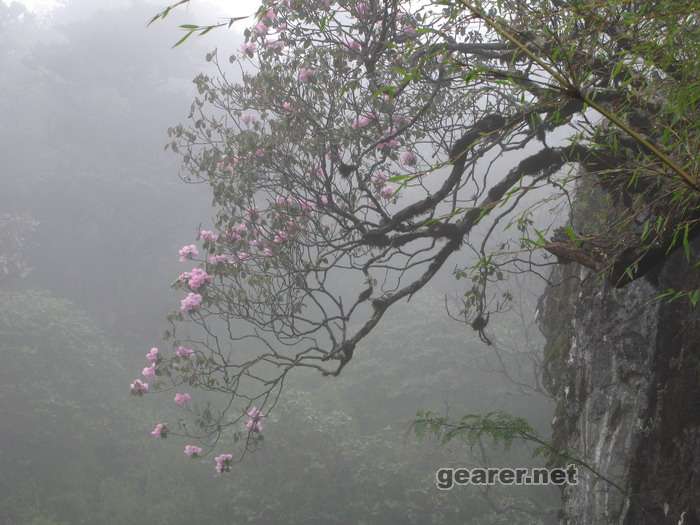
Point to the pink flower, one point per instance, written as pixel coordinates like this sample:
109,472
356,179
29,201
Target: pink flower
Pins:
182,399
388,144
217,259
149,371
188,252
409,31
307,205
223,462
208,235
275,45
324,200
139,388
387,192
408,158
261,28
379,180
270,15
306,74
198,278
255,420
183,352
287,106
267,252
160,431
260,153
362,122
352,44
249,118
152,355
192,451
191,302
361,9
280,237
248,48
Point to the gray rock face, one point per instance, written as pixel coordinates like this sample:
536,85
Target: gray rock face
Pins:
625,369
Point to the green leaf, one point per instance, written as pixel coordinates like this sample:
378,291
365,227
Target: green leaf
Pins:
189,34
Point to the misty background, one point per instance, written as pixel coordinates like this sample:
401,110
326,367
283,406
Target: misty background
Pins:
93,213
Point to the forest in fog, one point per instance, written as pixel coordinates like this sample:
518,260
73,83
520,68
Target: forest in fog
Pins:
280,262
87,96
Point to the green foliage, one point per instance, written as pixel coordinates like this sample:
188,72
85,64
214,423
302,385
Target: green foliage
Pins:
499,427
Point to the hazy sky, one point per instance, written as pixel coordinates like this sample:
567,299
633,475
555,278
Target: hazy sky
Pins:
231,7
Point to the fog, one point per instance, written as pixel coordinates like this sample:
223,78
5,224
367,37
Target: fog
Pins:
93,212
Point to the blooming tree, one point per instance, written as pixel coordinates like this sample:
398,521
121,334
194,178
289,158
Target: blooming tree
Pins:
368,143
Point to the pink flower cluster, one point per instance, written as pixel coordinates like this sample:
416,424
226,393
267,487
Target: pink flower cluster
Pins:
248,48
408,158
196,278
149,371
191,302
249,118
160,431
183,352
193,451
152,355
139,388
387,192
223,463
255,420
306,75
208,236
352,45
362,121
188,252
182,399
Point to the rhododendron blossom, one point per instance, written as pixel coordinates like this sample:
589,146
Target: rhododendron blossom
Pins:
223,463
149,371
255,420
208,235
249,118
193,451
306,74
182,399
217,259
198,278
248,48
184,352
152,355
275,45
362,121
160,431
270,15
191,302
139,388
408,158
188,252
261,29
387,192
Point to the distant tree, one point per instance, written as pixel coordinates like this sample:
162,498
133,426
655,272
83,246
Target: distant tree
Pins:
14,232
371,143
